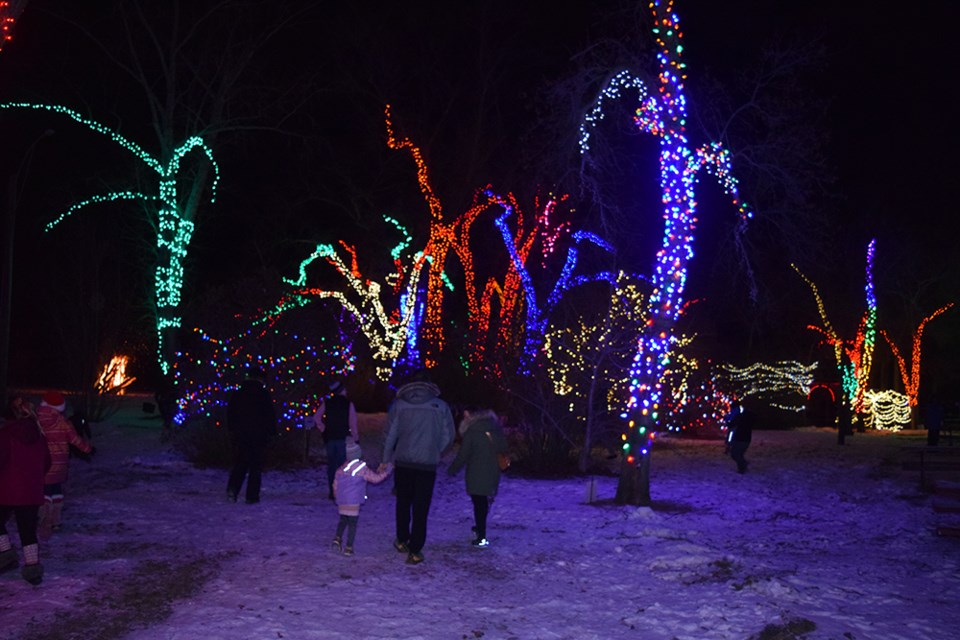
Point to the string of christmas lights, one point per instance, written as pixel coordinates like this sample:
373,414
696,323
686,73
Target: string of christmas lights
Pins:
6,23
785,384
886,410
297,369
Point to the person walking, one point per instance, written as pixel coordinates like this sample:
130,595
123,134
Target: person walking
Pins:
483,439
336,418
350,490
60,435
24,461
419,429
252,423
741,433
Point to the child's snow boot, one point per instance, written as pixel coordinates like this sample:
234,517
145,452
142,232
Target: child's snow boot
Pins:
32,570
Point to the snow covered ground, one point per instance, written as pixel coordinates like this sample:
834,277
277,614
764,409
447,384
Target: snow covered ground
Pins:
815,541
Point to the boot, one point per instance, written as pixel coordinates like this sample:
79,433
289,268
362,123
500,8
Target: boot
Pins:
32,570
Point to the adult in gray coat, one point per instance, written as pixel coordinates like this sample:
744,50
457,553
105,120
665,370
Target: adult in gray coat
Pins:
482,441
419,429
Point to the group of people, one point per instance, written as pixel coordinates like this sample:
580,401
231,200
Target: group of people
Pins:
34,463
420,429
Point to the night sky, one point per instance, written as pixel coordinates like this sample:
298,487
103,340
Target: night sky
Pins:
301,146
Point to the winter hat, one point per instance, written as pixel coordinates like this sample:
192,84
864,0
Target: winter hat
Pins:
55,399
336,386
353,450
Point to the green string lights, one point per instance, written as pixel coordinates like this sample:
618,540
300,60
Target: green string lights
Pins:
174,229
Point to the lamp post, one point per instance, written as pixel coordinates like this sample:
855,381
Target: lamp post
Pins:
15,185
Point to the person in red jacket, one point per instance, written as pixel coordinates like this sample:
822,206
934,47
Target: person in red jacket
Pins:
60,434
24,460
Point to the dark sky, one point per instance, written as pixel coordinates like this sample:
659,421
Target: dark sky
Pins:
305,153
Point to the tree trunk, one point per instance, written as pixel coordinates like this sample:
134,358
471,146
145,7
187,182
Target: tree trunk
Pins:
634,485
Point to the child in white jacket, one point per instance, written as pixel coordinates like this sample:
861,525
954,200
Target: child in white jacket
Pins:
350,491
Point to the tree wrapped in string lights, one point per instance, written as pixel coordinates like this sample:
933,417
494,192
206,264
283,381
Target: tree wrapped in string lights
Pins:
911,376
855,370
173,226
664,117
387,332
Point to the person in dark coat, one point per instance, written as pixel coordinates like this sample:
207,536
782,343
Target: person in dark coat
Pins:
741,425
252,423
24,461
419,429
336,419
482,441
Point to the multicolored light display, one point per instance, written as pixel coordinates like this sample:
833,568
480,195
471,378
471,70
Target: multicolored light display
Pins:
387,333
855,370
174,230
664,116
537,315
296,369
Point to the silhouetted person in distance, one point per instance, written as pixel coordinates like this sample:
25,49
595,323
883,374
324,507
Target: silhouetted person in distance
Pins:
252,423
844,426
741,424
933,421
336,419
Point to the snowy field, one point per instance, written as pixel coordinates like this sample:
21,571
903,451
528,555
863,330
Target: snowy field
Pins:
816,541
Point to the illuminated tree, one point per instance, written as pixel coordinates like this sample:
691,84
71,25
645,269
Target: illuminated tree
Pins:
588,359
663,117
445,236
911,376
537,314
174,227
387,332
855,369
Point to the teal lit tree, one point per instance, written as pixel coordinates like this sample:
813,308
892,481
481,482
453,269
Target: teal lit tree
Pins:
173,226
664,117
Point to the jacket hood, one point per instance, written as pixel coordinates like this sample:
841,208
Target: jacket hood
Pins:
476,418
418,392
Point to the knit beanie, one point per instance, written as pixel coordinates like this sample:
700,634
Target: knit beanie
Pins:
353,451
56,400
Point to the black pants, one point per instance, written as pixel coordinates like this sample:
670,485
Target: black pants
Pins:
336,456
414,495
26,517
248,460
481,507
737,451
